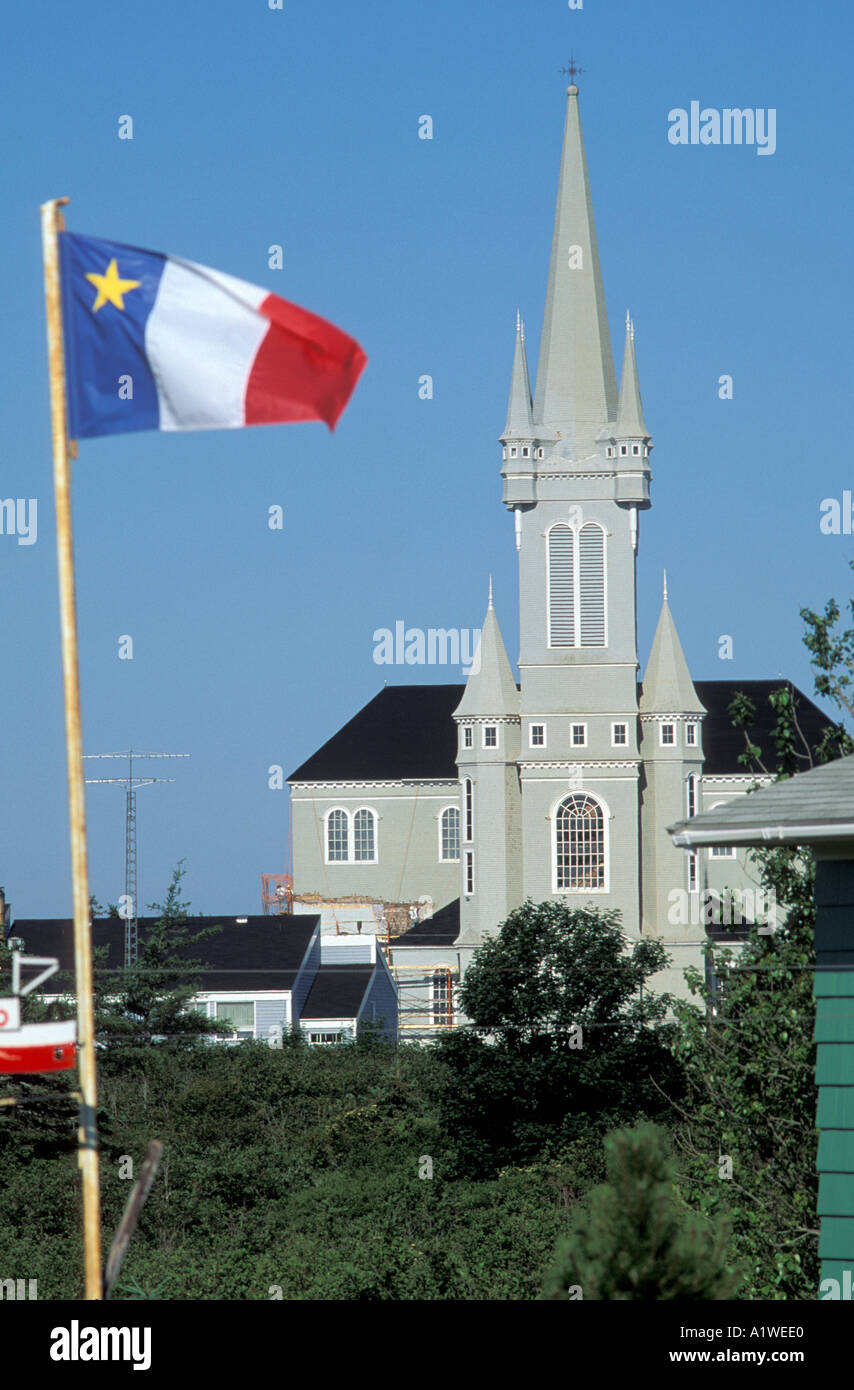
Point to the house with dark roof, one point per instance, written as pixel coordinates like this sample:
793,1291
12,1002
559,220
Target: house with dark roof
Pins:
265,975
561,784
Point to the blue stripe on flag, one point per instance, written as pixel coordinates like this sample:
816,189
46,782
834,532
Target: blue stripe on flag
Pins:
106,346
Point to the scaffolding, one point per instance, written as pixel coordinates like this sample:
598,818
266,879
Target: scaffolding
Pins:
277,894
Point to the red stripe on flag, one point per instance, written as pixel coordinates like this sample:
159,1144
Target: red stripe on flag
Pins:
45,1057
304,369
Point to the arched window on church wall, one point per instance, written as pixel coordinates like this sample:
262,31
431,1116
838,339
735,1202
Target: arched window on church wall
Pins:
364,836
337,837
580,845
449,835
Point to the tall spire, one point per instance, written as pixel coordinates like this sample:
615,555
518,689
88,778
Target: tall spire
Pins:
667,684
576,391
520,423
630,421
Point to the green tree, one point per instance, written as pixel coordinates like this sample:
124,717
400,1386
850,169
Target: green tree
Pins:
634,1238
565,1036
749,1053
152,999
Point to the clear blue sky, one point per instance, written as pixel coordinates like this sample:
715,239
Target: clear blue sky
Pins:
299,127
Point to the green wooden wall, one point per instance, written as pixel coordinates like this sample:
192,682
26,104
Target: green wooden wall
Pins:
834,1035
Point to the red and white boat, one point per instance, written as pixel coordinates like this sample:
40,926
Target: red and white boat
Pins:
38,1047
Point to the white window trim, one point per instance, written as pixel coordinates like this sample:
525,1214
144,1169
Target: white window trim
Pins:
688,743
468,800
467,737
545,742
468,862
497,743
606,831
451,806
693,860
224,1003
667,724
572,728
576,583
351,836
446,974
619,724
715,851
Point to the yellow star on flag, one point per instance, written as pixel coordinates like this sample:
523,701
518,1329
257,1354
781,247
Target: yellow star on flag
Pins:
110,288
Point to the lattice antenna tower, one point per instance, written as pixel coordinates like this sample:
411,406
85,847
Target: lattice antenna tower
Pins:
131,784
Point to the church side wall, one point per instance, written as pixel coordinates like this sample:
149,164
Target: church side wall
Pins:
407,842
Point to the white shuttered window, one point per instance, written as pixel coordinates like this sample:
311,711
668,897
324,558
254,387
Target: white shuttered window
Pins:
591,573
576,566
562,587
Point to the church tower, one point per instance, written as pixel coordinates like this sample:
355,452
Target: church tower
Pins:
487,721
671,718
575,464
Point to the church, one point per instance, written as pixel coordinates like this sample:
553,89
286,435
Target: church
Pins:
468,800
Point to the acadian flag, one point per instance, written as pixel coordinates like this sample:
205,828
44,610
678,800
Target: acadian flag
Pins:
157,343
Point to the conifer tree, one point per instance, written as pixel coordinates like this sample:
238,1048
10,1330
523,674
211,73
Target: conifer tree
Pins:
633,1237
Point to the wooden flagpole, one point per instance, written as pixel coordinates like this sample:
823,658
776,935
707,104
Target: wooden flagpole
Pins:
87,1135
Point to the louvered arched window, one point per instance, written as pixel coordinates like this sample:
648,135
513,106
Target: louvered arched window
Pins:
591,584
580,844
576,586
562,586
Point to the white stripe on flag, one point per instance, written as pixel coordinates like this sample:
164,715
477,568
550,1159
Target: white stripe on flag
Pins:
201,338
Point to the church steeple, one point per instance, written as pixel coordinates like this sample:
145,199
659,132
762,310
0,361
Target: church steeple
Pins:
667,684
520,423
630,421
491,687
576,393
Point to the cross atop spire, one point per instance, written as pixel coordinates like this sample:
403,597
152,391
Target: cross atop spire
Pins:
572,71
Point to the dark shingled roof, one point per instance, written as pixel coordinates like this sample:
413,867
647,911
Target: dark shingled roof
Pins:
409,731
722,743
442,929
261,953
337,991
405,731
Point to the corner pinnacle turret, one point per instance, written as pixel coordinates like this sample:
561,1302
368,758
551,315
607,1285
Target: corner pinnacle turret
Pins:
520,424
630,421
